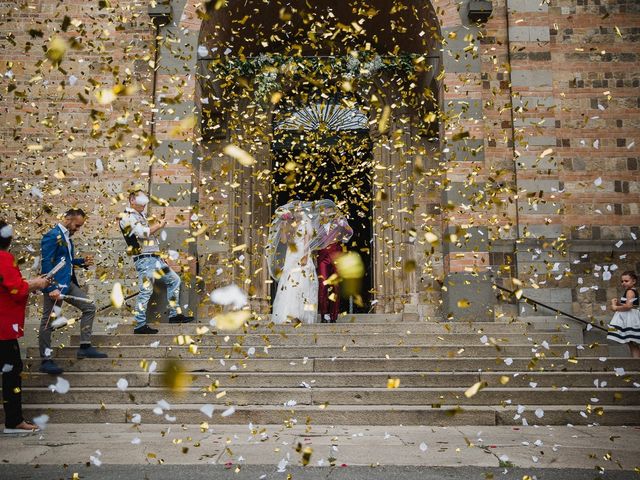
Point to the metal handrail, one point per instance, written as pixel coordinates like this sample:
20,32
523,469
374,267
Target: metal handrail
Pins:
553,309
110,305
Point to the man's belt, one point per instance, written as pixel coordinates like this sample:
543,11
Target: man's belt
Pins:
144,255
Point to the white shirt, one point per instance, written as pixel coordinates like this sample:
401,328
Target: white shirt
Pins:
67,238
137,224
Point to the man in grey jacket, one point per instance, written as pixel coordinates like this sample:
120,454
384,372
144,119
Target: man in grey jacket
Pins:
142,244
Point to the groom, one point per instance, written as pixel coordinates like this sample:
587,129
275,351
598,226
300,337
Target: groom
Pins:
336,232
57,245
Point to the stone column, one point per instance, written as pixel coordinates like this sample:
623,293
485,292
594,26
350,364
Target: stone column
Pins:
171,174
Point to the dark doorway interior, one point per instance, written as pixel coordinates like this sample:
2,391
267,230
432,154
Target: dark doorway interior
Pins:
312,166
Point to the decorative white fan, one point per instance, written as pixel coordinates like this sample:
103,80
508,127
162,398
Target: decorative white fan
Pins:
326,116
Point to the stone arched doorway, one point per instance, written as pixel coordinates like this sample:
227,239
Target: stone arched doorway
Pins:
296,56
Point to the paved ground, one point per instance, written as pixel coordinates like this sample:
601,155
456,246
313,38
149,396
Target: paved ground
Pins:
268,472
201,451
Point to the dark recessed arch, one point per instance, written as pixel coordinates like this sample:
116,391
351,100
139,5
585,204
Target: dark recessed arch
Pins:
321,27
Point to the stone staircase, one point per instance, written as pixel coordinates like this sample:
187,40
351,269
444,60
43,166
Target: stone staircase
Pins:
533,372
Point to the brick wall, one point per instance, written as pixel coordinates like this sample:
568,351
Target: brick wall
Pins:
554,84
59,146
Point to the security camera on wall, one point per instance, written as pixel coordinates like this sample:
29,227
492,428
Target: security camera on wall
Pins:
480,11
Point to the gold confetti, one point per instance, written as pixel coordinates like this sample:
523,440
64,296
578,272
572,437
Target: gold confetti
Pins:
117,295
105,96
464,303
393,382
231,320
383,125
548,151
306,455
185,126
174,376
243,157
57,48
431,237
350,266
474,389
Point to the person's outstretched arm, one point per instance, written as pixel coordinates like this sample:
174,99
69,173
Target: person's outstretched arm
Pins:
616,306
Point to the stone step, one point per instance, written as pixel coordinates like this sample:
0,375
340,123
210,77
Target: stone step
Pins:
354,379
342,319
290,397
341,365
391,415
324,339
336,328
551,321
478,351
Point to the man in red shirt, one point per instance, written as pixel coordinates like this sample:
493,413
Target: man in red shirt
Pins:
14,291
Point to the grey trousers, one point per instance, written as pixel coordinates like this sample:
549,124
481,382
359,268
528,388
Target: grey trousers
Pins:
86,320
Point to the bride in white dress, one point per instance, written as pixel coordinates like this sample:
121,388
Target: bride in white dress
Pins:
297,293
298,229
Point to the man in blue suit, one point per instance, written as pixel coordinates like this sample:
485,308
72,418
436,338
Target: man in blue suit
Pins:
57,245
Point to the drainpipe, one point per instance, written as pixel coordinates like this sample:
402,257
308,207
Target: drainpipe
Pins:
515,266
160,14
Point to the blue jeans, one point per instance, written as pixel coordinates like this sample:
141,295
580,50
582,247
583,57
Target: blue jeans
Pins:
149,269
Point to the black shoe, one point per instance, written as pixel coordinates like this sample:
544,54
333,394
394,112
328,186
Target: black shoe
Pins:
180,318
50,367
90,352
145,330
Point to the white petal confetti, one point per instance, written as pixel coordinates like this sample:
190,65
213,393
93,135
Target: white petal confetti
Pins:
229,295
203,51
207,409
228,412
62,386
122,384
282,465
6,231
41,421
95,459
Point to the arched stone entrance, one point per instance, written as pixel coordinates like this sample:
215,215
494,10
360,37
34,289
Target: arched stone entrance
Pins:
393,109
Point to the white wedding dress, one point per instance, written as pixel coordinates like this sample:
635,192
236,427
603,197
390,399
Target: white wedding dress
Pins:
297,293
